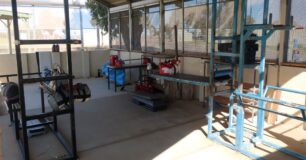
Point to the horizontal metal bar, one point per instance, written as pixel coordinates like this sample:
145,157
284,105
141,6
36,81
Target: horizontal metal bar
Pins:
224,38
285,89
267,27
15,75
223,93
40,124
275,112
51,41
42,79
225,54
282,149
48,114
284,103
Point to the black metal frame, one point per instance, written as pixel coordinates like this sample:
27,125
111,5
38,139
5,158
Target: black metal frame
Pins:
23,140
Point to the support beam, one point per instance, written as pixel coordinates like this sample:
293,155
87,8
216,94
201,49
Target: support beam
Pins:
105,3
9,35
109,29
162,26
130,26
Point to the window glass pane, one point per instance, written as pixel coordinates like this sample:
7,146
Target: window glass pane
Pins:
173,17
153,28
195,25
138,30
297,41
90,35
255,16
124,29
115,33
225,14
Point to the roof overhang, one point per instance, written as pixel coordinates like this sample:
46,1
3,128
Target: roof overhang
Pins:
8,15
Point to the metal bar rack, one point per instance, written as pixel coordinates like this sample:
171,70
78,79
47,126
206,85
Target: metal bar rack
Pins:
267,28
22,126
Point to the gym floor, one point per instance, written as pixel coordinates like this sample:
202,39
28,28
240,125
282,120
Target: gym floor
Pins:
110,126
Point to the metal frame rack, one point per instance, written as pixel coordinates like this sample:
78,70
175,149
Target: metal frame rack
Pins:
23,138
238,128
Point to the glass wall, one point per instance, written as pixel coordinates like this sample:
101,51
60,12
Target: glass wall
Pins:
139,26
196,22
120,30
152,29
297,40
255,16
173,17
48,22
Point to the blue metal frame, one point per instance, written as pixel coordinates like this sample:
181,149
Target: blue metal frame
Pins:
246,30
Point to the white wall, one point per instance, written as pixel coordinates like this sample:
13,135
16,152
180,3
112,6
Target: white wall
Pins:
8,65
85,63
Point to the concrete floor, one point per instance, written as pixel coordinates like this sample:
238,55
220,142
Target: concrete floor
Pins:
111,127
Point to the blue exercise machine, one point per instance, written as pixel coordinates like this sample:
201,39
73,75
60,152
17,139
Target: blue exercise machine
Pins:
236,103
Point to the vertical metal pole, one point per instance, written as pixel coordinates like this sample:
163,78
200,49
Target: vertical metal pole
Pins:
109,29
71,101
42,97
234,46
261,113
240,116
239,127
120,36
145,12
9,35
98,38
242,46
130,27
20,82
81,27
211,67
130,35
176,42
183,27
287,33
162,25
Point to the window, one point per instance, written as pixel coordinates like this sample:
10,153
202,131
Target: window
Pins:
90,31
120,30
48,22
152,29
255,16
173,17
297,40
139,29
195,26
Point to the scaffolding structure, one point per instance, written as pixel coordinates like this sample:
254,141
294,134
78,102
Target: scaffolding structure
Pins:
22,125
239,128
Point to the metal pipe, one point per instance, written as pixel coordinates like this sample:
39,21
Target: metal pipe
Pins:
71,101
25,143
81,27
162,25
9,35
261,113
211,67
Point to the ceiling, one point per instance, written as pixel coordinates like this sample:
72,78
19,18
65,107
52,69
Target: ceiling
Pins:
114,3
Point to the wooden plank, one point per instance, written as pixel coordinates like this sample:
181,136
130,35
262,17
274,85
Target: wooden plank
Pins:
271,117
